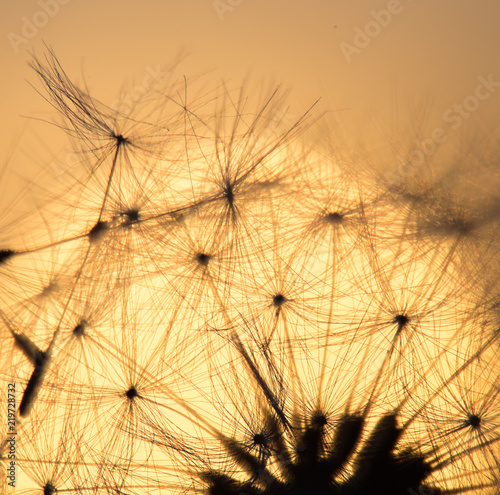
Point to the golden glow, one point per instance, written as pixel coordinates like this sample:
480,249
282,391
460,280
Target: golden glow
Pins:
358,271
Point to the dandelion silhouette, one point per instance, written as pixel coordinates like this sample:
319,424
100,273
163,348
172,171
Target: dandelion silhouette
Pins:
211,306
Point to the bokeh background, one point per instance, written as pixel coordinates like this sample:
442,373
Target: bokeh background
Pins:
379,67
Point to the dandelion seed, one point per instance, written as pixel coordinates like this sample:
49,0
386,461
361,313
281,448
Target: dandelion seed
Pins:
473,420
229,194
49,489
98,230
334,218
120,140
30,350
6,254
131,393
132,216
203,259
79,329
278,300
401,320
34,383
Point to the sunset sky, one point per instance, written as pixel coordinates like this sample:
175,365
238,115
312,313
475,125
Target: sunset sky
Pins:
388,78
372,63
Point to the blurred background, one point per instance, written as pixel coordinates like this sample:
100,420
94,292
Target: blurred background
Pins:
379,68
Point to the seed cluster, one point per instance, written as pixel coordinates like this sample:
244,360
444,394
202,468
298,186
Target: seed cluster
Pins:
205,304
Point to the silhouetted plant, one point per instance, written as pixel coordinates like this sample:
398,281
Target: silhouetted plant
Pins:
211,307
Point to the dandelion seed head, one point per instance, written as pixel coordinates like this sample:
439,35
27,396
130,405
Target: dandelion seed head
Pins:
293,327
279,300
79,330
319,419
334,218
203,259
229,193
49,489
50,289
131,393
259,439
402,320
473,420
454,225
132,216
120,139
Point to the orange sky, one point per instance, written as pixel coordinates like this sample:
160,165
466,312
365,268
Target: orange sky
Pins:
369,61
379,67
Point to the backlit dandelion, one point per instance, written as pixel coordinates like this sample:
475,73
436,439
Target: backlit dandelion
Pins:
208,305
